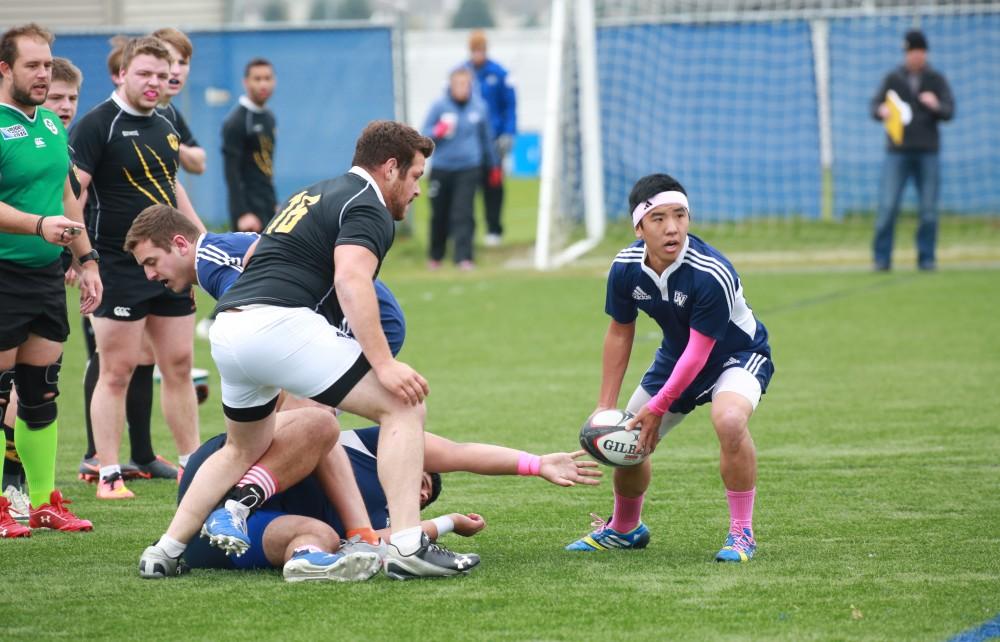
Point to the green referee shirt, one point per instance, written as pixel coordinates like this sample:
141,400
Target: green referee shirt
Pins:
34,164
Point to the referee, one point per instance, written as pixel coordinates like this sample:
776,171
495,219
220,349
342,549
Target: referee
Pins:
35,193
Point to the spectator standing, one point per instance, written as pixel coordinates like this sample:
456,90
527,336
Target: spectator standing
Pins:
497,91
459,124
911,100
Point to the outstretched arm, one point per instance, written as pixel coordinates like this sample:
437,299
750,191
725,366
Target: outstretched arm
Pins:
562,469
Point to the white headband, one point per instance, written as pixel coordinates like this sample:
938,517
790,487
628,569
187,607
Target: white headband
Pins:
663,198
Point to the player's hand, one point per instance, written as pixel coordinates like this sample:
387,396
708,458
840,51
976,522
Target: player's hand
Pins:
71,278
929,100
562,469
649,424
468,525
883,111
91,288
404,382
60,230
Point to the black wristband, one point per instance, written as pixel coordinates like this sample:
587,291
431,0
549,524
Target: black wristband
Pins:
38,227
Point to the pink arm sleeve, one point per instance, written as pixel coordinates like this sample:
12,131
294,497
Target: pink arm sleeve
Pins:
688,366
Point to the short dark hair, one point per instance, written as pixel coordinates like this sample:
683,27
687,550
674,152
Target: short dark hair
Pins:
256,62
146,45
8,42
159,224
385,139
65,71
649,186
435,489
115,55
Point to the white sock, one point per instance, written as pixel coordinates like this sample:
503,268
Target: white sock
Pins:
107,471
407,541
170,546
183,459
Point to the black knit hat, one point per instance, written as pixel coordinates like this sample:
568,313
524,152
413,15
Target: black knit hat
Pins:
915,39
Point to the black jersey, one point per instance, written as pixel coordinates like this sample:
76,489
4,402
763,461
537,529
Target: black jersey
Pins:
177,120
132,160
293,266
248,154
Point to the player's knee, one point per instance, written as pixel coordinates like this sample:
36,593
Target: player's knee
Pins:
731,427
321,428
37,389
176,368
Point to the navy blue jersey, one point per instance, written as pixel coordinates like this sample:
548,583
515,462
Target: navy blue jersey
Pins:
220,259
699,290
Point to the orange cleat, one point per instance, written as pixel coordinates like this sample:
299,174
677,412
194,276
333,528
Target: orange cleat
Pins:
113,487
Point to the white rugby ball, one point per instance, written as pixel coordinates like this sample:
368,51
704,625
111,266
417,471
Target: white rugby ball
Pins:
605,439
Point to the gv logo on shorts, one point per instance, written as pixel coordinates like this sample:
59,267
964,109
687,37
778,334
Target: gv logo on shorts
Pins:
122,311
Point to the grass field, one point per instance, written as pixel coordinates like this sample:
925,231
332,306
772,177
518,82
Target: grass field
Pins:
878,506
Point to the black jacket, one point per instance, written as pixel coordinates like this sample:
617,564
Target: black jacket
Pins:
921,135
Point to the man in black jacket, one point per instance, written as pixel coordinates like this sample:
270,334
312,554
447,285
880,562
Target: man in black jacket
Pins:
910,101
248,151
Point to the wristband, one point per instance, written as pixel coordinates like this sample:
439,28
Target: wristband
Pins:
444,525
38,226
528,464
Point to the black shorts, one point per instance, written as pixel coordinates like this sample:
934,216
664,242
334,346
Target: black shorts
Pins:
32,301
130,296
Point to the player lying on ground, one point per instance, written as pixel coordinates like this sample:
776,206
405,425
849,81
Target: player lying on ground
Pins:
713,350
174,252
298,528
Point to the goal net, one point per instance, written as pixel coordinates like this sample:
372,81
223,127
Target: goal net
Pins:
759,107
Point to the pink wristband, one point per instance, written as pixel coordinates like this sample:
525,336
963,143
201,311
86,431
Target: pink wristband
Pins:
528,464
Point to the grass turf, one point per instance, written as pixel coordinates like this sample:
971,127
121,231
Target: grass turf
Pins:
877,509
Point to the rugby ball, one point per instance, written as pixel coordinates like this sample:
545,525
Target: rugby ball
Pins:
605,439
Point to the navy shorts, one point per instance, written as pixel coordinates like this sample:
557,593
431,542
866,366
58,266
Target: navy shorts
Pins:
758,364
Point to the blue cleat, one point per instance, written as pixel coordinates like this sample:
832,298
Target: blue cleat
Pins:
226,528
604,537
339,567
739,547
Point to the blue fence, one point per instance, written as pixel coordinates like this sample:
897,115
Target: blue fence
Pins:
731,110
331,82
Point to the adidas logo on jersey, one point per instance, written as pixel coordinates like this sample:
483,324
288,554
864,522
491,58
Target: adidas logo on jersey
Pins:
731,361
639,295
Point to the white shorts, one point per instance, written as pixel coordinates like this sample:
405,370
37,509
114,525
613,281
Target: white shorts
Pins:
263,349
735,380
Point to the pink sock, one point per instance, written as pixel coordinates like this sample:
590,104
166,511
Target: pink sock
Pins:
741,509
628,510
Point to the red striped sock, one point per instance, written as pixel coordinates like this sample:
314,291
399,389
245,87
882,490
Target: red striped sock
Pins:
262,478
